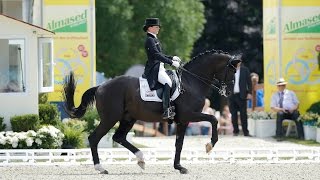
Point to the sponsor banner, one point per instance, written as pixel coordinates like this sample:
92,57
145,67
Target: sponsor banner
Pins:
300,47
270,48
74,43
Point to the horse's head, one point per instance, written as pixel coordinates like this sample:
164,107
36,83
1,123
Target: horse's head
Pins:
215,68
224,73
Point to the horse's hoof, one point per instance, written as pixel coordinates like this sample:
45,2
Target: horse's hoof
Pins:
208,147
142,164
104,172
184,171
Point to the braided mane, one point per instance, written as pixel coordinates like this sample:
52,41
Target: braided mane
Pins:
197,57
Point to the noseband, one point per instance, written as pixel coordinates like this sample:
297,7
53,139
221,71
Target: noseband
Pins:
221,86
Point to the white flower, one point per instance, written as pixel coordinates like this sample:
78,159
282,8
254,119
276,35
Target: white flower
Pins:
15,144
3,141
31,133
38,141
29,141
14,140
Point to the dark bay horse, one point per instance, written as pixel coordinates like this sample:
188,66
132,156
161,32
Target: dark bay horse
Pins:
118,100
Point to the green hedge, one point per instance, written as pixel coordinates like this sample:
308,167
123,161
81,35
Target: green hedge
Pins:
2,125
25,122
49,114
315,108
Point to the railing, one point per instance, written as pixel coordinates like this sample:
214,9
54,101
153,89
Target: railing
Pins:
159,156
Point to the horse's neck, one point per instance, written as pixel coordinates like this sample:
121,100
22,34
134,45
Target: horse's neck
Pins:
202,72
198,79
203,68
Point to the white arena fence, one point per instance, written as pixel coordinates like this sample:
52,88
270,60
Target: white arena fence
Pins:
158,156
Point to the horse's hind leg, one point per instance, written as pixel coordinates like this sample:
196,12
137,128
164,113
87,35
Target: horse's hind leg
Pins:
120,137
94,139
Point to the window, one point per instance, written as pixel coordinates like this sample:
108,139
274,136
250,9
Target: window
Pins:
19,9
12,65
46,64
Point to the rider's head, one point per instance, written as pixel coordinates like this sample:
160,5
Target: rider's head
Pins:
151,25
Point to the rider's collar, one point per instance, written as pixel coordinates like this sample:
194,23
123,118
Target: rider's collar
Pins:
154,35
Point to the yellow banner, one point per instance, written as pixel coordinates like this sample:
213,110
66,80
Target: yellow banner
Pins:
67,2
74,43
296,60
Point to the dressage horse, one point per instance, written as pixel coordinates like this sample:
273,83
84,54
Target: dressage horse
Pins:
118,100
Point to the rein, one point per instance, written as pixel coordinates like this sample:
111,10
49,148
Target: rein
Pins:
221,90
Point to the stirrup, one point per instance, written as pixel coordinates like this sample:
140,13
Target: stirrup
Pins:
169,113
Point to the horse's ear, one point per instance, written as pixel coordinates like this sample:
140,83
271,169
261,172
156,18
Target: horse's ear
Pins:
236,59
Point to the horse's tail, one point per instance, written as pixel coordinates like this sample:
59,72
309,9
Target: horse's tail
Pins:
88,98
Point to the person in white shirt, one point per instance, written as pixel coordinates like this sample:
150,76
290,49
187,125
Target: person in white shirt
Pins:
238,100
285,103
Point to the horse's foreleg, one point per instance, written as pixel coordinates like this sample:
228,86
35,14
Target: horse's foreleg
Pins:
197,117
181,129
120,137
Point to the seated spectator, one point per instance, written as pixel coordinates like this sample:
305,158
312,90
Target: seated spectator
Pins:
259,92
193,129
225,122
285,103
205,126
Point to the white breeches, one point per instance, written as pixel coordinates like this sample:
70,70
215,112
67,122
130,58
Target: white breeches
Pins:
163,77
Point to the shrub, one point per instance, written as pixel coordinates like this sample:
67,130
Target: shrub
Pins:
260,115
92,118
315,108
25,122
309,118
73,131
43,98
2,125
47,137
49,114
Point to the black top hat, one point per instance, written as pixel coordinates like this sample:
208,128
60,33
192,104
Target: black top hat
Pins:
150,22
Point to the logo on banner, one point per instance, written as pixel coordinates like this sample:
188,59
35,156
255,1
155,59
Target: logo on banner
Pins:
75,23
308,25
271,26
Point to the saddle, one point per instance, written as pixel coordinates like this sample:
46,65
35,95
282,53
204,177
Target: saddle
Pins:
156,95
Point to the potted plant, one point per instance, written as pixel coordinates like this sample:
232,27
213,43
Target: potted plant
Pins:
263,124
309,121
318,129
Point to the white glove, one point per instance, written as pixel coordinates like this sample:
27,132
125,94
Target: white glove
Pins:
176,64
176,58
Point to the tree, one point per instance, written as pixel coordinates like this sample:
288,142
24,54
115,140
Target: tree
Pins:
113,19
234,26
120,38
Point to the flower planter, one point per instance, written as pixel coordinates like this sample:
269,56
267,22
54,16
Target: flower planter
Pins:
252,126
318,135
310,132
265,128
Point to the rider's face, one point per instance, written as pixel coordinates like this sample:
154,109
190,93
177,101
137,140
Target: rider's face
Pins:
154,29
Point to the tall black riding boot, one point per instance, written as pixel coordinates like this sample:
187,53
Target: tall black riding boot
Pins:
168,112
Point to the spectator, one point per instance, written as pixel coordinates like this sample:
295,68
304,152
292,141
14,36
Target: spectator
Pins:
193,129
225,124
285,103
259,92
238,100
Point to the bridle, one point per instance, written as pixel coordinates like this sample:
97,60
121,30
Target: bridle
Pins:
221,86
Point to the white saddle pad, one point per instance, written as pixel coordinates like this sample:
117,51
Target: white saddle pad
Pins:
148,95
